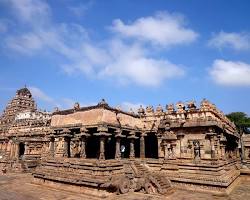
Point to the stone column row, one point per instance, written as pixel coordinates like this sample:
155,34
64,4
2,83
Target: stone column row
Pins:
64,142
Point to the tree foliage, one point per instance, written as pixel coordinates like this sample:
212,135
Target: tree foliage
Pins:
241,120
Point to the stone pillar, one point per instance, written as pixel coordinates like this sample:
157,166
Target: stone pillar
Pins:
180,136
52,146
142,146
132,149
5,146
11,149
61,147
9,146
83,147
66,147
218,149
223,153
173,147
17,150
102,148
165,151
118,148
26,148
160,153
212,147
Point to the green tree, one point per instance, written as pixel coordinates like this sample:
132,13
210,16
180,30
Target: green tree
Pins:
241,120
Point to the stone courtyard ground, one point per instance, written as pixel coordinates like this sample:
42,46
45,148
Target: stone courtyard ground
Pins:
19,187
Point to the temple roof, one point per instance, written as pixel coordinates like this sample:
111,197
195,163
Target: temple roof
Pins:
94,115
24,92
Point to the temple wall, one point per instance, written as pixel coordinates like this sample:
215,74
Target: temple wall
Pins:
95,116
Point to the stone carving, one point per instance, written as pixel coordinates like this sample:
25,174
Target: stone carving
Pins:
191,105
149,109
170,108
76,106
180,107
196,144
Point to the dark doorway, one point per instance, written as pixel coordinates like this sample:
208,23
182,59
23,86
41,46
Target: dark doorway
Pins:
110,148
21,149
151,146
125,143
93,147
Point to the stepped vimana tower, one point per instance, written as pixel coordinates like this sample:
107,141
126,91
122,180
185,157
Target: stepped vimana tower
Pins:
21,102
99,149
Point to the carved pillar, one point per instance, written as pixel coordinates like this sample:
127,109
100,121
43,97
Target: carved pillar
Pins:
26,148
102,133
165,151
180,136
132,138
83,137
5,146
83,147
9,147
16,150
160,153
118,148
132,149
211,135
222,142
52,146
223,153
212,147
102,149
173,148
142,146
11,150
66,147
63,144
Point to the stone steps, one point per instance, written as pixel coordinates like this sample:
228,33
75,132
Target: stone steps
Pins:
162,183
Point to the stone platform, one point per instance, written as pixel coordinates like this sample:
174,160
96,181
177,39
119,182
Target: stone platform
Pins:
19,186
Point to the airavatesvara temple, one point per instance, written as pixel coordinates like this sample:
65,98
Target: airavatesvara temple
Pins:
100,150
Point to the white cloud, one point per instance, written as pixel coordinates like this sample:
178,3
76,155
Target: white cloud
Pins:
34,12
127,106
135,66
114,59
26,43
39,94
236,41
230,73
81,9
163,29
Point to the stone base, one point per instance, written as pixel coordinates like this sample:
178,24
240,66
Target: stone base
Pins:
217,177
71,187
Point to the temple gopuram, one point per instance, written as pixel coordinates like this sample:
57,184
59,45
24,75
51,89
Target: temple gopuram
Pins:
101,150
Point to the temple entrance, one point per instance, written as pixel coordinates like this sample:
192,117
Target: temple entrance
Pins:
21,149
125,148
93,147
151,146
110,148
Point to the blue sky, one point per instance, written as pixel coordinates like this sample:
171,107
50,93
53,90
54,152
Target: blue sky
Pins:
128,52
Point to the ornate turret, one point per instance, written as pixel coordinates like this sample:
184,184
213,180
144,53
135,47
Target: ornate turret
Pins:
141,111
21,102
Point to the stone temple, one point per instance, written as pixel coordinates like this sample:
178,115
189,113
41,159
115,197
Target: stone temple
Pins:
101,150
